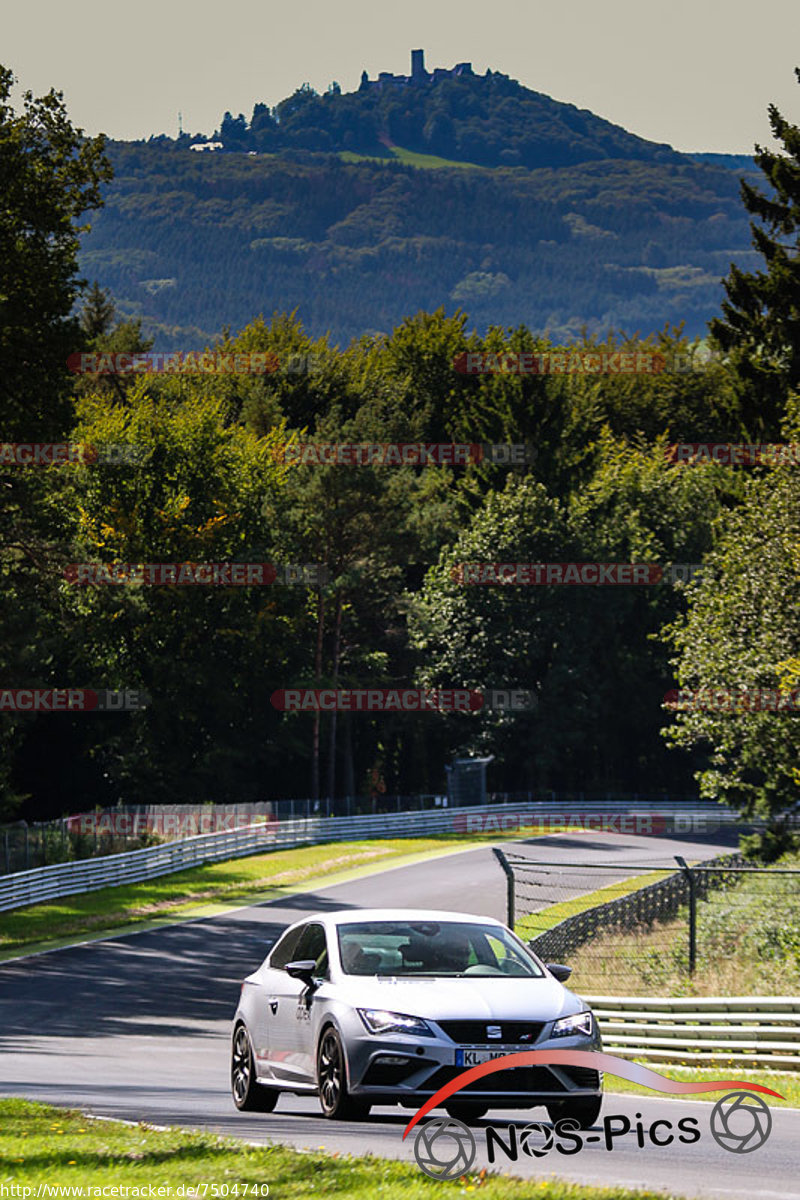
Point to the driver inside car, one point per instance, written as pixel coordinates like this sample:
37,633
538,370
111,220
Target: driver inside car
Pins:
454,954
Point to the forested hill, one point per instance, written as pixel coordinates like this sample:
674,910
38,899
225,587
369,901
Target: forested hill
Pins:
489,120
358,209
191,242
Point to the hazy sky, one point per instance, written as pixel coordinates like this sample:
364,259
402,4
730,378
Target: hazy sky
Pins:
698,74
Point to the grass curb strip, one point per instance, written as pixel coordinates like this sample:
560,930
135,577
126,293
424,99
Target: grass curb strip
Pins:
62,1148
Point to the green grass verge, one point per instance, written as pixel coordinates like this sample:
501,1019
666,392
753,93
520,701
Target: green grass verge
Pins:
546,918
350,156
40,1144
195,892
411,158
785,1082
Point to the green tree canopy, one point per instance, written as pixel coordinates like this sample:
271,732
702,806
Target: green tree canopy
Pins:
760,326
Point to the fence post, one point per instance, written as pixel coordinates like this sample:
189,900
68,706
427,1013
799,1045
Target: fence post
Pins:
692,912
504,863
8,855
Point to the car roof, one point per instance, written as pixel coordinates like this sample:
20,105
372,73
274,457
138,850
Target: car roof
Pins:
348,916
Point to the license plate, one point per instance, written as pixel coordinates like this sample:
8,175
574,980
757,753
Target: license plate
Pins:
473,1058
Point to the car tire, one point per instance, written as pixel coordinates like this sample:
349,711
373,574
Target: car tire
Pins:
463,1111
335,1101
248,1095
585,1111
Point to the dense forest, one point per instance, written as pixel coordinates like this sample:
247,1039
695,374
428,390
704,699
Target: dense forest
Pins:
210,482
190,242
355,209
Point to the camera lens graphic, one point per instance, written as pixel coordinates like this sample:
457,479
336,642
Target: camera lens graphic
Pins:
536,1139
740,1122
444,1148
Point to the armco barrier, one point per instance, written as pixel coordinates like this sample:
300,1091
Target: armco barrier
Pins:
68,879
743,1031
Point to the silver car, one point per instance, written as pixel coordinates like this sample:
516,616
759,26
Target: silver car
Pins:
384,1006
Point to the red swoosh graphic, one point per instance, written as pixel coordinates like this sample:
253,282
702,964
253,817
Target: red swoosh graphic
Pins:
608,1063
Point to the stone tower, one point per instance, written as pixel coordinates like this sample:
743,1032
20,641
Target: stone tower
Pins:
417,64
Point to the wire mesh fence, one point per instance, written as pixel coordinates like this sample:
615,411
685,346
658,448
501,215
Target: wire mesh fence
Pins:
24,846
96,834
102,832
723,927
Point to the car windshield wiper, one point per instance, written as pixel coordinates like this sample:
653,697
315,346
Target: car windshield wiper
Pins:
409,975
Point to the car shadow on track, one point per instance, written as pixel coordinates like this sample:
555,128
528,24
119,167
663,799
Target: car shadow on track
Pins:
173,980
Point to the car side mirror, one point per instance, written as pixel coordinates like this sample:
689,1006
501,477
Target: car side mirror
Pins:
303,969
559,971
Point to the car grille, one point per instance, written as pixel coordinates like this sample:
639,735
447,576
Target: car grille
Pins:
518,1079
512,1033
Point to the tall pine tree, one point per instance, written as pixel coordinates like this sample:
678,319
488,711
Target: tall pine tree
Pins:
761,324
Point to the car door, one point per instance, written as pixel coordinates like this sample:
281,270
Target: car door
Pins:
291,1048
264,1010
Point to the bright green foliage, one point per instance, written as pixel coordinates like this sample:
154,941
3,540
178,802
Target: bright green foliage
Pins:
49,177
207,656
584,651
741,630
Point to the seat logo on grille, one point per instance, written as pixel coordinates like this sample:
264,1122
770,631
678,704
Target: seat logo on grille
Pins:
494,1031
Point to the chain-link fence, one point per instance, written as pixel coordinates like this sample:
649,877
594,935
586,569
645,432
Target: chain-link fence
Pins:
126,827
24,846
723,927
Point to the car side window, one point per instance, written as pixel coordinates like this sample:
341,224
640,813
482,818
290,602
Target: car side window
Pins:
313,945
284,952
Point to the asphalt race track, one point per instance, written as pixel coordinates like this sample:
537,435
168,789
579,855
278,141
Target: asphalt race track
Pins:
139,1028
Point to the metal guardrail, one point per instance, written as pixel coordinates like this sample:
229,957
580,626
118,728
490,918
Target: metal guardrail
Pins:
68,879
744,1031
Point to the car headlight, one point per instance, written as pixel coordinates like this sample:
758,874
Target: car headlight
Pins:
378,1020
567,1026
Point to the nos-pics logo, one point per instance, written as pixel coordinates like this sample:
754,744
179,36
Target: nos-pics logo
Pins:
445,1148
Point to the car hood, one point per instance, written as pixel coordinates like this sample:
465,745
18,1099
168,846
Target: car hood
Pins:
468,999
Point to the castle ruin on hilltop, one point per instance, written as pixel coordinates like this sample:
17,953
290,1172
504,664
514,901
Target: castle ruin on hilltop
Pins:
418,74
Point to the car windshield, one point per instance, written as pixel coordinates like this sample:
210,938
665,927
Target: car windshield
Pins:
432,948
